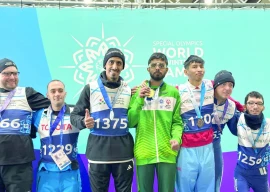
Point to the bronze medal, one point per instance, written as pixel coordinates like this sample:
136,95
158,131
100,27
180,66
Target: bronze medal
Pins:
151,94
200,123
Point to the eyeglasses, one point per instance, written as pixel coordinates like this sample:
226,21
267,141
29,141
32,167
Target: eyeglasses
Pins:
160,65
251,103
8,74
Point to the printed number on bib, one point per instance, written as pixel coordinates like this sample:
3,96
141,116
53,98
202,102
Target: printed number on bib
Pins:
107,123
51,148
249,160
206,119
15,123
216,134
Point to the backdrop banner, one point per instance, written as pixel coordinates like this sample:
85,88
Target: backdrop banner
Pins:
69,45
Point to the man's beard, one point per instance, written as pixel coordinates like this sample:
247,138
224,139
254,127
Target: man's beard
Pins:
157,78
114,79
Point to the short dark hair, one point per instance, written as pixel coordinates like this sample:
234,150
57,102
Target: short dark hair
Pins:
254,94
193,59
158,55
54,81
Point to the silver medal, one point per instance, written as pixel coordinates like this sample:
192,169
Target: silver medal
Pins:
111,115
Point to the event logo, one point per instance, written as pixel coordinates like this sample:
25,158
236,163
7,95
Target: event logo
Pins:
89,57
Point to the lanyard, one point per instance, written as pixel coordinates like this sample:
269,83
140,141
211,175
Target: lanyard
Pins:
195,105
7,101
216,117
106,97
53,125
250,138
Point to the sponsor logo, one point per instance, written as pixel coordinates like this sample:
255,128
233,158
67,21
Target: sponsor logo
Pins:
129,167
66,127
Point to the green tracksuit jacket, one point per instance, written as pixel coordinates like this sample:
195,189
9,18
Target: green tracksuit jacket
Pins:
157,122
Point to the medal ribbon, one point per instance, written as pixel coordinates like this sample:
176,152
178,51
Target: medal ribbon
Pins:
53,125
194,103
216,117
250,138
106,97
7,101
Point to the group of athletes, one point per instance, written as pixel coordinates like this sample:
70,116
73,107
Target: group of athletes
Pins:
178,131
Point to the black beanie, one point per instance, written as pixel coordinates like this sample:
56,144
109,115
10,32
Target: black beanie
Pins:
4,63
113,52
222,77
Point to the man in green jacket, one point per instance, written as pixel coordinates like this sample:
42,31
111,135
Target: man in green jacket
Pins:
154,110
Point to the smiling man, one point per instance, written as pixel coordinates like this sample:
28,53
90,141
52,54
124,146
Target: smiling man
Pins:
224,114
16,147
58,139
102,108
253,131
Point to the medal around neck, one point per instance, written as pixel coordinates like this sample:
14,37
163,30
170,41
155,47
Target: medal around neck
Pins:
152,93
200,123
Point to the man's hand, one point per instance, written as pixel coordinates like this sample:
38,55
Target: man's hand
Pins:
144,83
88,121
174,145
144,92
134,89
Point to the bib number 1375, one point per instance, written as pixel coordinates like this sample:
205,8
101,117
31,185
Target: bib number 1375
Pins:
107,123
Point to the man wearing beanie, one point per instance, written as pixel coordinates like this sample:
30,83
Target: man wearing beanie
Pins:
253,131
17,105
224,113
102,108
154,110
195,163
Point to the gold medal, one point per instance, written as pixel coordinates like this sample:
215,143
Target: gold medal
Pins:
200,123
151,94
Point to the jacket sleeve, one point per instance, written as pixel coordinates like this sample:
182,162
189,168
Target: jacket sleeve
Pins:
177,123
37,102
35,99
134,109
78,113
232,123
36,118
238,105
37,115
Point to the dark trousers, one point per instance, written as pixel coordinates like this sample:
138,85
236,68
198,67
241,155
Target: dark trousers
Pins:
16,178
256,179
100,176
